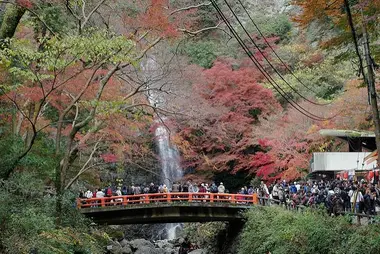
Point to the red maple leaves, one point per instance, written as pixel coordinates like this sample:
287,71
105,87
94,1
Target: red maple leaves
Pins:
25,3
109,158
225,141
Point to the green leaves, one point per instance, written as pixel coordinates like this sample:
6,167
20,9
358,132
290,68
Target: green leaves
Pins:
202,53
275,230
94,47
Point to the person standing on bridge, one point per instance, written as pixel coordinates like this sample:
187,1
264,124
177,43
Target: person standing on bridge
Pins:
118,193
195,188
213,188
190,187
88,194
152,188
184,187
100,194
221,188
175,187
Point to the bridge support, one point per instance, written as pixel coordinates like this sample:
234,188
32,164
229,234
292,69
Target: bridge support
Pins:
165,213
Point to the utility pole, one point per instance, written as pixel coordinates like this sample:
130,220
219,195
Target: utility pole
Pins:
370,77
372,88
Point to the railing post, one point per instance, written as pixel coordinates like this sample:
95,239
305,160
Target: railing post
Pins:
147,199
211,197
125,200
79,203
190,198
233,198
168,197
102,202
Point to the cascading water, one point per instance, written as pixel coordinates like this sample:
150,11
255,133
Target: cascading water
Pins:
171,170
169,156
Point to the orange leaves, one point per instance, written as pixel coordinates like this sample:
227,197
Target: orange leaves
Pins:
352,107
318,10
331,15
157,18
153,16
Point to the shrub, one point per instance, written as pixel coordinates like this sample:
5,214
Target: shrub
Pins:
202,53
275,230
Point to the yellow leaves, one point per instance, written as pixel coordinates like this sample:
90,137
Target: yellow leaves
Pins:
314,128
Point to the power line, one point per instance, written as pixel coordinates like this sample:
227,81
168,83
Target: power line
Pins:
257,64
274,51
267,60
278,88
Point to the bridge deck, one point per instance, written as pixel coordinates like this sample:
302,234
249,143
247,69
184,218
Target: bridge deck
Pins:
166,208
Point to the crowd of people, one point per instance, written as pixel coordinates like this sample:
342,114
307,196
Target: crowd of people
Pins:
336,196
153,188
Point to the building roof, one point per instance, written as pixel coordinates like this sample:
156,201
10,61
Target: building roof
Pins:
347,133
339,161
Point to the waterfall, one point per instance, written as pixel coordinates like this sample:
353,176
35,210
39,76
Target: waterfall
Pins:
171,170
169,156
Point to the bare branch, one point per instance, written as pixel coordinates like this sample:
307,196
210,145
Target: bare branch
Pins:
143,53
102,85
155,109
71,10
190,7
86,19
193,33
84,167
143,168
83,9
76,114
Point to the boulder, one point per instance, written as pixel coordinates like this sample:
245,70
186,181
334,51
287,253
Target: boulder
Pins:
149,250
124,243
114,249
126,250
163,244
198,251
170,250
139,243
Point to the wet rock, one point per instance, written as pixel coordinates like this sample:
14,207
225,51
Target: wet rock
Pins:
198,251
164,244
126,250
149,250
124,243
139,243
115,249
170,250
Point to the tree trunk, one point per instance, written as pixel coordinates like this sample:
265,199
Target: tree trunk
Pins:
2,11
370,77
59,200
60,175
11,19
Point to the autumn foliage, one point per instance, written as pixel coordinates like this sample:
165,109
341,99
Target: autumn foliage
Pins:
225,141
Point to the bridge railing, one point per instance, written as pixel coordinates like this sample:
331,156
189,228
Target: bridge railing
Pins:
167,198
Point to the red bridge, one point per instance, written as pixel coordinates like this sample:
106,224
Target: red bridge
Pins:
166,208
